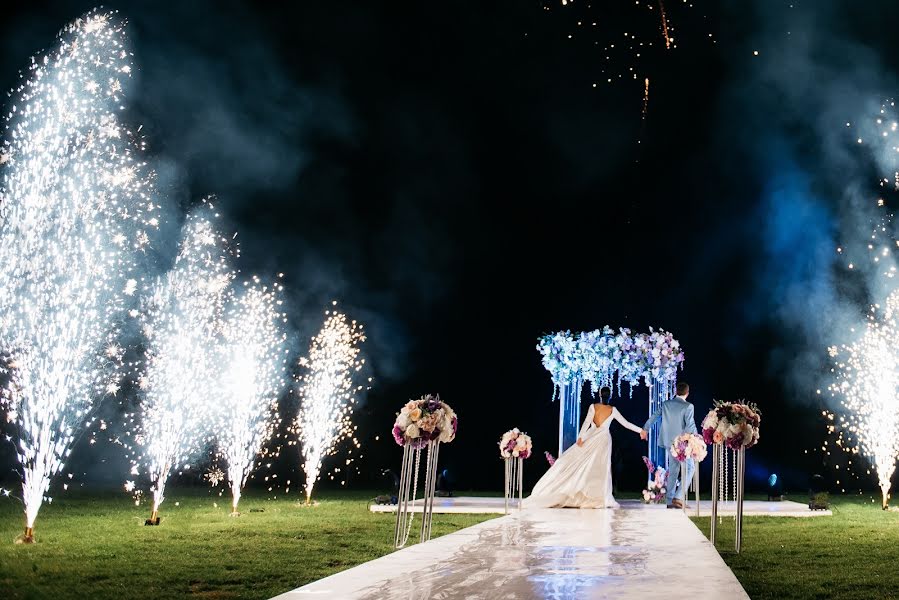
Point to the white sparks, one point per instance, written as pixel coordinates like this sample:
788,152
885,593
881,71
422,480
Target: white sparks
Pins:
868,385
181,321
63,214
254,363
327,395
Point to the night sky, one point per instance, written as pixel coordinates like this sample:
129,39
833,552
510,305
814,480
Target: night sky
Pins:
450,173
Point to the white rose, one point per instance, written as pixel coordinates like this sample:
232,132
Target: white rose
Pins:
412,431
403,420
515,453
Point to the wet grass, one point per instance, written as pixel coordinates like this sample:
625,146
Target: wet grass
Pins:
98,547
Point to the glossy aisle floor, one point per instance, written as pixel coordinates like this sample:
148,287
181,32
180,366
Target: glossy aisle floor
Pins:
553,553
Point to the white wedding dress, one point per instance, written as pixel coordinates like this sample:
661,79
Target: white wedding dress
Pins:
582,476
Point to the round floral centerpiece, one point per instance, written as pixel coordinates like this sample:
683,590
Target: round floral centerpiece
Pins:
688,445
515,444
733,424
425,420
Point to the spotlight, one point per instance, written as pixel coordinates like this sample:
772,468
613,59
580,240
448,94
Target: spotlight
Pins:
393,480
775,489
444,484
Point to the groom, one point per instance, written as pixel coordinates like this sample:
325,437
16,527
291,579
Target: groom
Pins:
677,418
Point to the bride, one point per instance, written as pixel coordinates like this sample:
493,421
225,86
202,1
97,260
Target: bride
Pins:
582,476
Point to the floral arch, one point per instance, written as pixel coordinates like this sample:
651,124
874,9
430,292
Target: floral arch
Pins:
606,358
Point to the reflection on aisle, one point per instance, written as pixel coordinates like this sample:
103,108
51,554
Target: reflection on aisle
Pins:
550,553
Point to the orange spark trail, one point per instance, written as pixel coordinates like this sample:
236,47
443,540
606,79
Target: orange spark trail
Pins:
645,97
664,25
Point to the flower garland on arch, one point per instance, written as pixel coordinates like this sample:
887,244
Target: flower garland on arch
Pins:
606,358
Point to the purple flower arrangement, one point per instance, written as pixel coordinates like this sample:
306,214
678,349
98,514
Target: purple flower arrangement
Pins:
733,424
425,420
658,478
515,444
689,445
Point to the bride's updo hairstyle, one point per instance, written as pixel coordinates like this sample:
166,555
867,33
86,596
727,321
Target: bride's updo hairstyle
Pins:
605,394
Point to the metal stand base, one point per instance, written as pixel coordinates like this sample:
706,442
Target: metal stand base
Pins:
514,481
717,467
405,507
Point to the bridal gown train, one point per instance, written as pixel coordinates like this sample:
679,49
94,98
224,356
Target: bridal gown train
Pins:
582,476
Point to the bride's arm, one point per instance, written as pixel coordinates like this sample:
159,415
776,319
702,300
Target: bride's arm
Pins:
588,423
617,416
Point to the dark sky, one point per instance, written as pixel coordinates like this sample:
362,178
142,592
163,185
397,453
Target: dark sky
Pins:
450,174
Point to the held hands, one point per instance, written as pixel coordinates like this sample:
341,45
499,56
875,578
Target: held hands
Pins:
643,434
580,442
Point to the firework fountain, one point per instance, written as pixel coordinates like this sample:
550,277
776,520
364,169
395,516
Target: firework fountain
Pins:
327,393
254,342
181,321
867,371
868,383
76,210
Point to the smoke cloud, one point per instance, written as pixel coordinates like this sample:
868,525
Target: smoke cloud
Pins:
784,129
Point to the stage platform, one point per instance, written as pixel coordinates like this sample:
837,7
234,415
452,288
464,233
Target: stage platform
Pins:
494,505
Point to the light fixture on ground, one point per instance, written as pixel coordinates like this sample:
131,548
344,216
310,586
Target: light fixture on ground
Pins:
775,488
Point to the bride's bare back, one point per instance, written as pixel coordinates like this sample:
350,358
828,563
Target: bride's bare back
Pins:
601,412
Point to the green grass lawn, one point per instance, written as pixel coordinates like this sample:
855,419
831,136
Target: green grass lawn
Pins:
96,547
853,555
93,547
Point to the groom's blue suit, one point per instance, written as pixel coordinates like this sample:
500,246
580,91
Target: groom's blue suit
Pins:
677,418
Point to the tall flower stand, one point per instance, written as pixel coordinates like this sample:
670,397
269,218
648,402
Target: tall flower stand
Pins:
733,426
514,481
718,474
405,508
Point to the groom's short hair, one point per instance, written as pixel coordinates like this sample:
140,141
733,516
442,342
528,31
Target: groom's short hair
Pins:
683,388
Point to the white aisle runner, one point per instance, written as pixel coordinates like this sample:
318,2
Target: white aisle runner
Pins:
549,553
